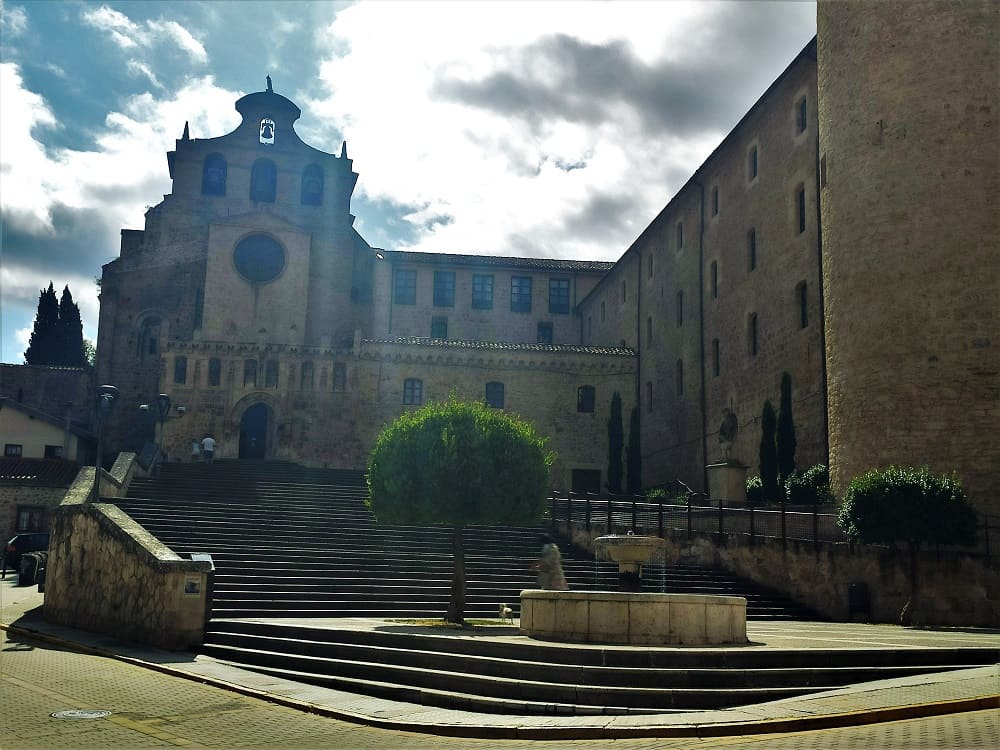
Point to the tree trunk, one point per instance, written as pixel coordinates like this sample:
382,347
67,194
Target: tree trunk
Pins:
456,607
909,614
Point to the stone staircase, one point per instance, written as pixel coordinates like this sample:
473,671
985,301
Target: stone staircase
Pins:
293,545
289,541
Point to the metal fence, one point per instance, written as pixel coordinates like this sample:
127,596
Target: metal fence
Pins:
636,514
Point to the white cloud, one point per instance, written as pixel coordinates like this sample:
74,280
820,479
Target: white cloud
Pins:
23,337
13,20
499,176
130,35
137,69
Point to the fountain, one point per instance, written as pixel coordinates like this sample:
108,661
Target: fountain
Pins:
630,616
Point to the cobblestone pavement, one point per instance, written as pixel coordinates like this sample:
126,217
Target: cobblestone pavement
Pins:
150,709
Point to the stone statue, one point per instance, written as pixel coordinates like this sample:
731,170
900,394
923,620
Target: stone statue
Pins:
269,84
728,430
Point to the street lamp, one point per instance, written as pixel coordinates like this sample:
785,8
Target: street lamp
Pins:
105,401
162,416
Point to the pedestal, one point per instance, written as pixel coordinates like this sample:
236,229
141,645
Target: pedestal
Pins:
728,482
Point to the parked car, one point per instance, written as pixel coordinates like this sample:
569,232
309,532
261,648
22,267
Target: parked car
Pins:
18,545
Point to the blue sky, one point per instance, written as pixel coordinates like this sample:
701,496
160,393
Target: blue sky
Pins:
548,129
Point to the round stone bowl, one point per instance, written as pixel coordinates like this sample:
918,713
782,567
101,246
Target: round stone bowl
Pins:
613,617
628,549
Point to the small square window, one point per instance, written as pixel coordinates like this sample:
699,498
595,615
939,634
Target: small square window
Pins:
494,395
53,451
444,289
520,294
558,296
413,391
12,450
439,327
482,292
405,292
585,398
31,518
544,333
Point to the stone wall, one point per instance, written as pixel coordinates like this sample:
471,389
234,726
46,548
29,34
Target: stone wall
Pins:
53,390
14,496
107,574
954,590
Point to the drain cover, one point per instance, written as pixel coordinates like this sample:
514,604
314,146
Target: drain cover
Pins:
77,713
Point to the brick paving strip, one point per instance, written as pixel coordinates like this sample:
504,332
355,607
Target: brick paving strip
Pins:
869,703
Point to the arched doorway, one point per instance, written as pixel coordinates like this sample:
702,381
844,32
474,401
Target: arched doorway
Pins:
253,431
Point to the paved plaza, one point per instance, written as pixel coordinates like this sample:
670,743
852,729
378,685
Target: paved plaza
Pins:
161,699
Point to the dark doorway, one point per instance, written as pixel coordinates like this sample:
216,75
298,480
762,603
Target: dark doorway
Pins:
253,432
587,480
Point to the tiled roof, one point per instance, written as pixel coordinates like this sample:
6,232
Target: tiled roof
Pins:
499,261
617,351
45,472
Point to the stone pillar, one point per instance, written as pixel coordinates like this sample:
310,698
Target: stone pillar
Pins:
727,481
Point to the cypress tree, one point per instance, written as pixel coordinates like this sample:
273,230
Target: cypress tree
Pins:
768,453
43,348
633,467
786,430
71,352
616,442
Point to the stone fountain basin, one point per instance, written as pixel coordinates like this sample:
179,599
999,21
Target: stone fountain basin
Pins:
629,549
613,617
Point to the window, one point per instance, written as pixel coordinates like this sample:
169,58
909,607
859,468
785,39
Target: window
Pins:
214,371
801,115
558,296
649,330
680,235
803,305
715,201
585,398
439,327
752,164
649,272
53,451
306,378
649,395
271,374
444,289
263,181
680,377
800,199
624,291
680,309
339,377
751,250
312,186
213,175
544,333
413,391
31,518
520,294
482,292
180,369
716,368
714,279
250,373
494,395
752,334
405,292
12,450
149,334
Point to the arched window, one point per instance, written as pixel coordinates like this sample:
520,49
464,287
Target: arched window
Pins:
413,391
585,398
494,395
214,371
803,299
149,336
312,186
271,374
263,181
213,175
250,373
751,249
307,376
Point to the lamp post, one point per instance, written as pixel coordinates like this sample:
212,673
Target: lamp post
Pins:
162,416
105,401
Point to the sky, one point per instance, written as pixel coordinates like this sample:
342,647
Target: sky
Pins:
543,129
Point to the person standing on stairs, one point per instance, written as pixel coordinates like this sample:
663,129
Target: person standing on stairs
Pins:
195,450
208,448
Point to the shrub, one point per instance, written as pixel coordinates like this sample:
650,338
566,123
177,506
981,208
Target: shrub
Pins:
809,487
755,490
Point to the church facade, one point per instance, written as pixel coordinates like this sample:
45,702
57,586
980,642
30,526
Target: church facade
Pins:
250,299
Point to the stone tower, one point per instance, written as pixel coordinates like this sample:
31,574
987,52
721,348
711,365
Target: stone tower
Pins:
909,179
